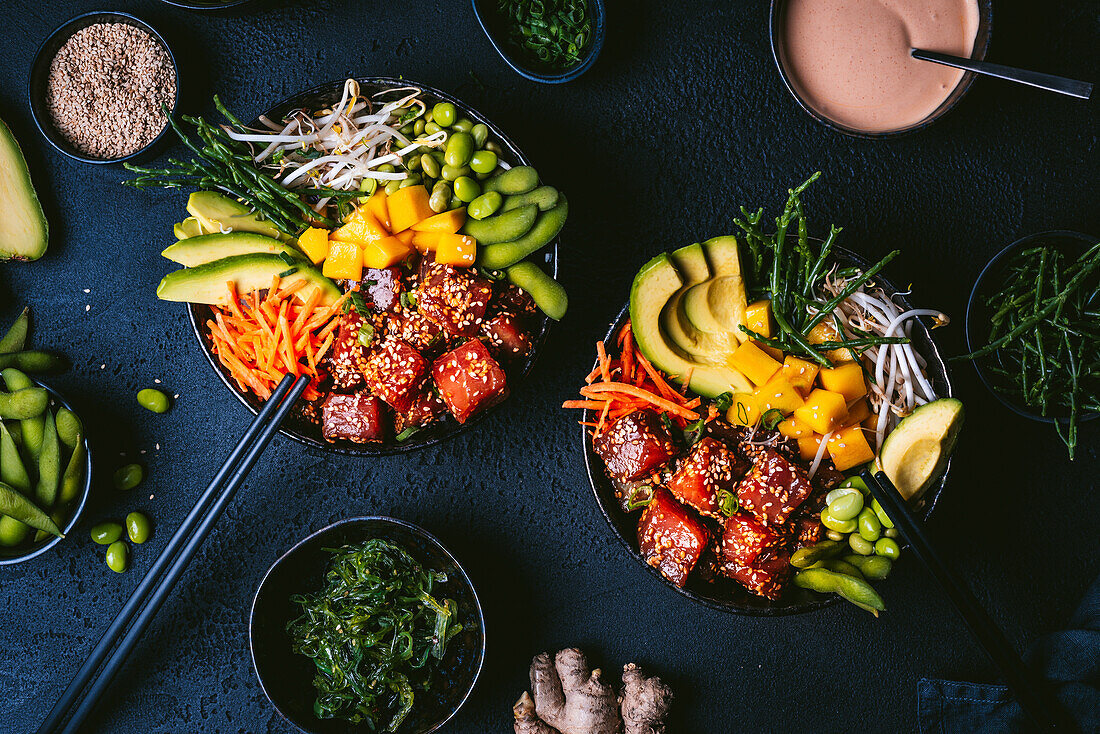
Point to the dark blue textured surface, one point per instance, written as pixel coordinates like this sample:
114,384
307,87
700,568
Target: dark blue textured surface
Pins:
682,119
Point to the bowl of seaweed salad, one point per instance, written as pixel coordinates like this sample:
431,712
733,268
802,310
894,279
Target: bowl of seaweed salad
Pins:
369,624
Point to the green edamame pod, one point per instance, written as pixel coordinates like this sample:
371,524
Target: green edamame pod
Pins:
16,380
546,228
517,180
869,526
68,427
485,205
32,430
874,568
32,361
29,402
58,520
545,197
22,509
367,186
480,132
546,292
106,533
49,464
16,337
12,532
505,227
73,479
841,566
856,591
12,470
808,556
118,553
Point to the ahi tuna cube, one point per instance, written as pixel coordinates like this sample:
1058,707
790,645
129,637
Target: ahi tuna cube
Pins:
745,539
765,578
506,337
469,380
710,467
670,537
808,531
382,288
635,444
358,418
415,329
454,298
348,357
774,487
396,373
513,299
423,411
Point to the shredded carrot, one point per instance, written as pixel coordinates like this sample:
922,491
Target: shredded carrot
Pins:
628,358
662,386
592,404
594,391
605,368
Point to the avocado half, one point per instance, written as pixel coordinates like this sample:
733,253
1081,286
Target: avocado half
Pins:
24,233
916,452
206,283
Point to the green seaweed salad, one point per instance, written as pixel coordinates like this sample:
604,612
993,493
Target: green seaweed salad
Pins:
376,632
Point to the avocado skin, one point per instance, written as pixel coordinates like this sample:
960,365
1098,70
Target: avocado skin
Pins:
30,242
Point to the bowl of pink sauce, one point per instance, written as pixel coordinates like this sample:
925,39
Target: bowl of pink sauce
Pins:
848,63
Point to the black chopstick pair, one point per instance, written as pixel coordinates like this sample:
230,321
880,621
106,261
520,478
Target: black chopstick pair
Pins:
108,656
1031,692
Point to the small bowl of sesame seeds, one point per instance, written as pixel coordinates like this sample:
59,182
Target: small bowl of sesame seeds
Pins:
100,85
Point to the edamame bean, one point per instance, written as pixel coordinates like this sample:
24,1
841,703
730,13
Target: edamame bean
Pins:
392,187
430,166
460,149
483,161
30,402
808,556
841,526
118,553
367,186
12,470
546,292
505,227
860,544
890,532
12,532
517,180
129,476
854,590
15,505
72,481
387,168
16,336
881,514
443,114
16,380
153,400
834,535
463,125
412,164
467,189
406,130
869,526
450,173
480,132
838,493
874,568
455,202
431,128
887,548
441,195
418,127
485,205
49,464
413,179
847,506
545,229
137,527
494,147
106,533
856,482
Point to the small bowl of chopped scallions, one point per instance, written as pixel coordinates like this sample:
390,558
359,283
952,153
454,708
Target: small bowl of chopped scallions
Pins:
548,41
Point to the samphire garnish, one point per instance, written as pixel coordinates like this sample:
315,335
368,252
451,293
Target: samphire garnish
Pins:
376,633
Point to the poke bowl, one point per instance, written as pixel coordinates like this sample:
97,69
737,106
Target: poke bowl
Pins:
505,300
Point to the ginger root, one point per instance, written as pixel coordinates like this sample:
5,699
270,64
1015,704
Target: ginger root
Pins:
569,698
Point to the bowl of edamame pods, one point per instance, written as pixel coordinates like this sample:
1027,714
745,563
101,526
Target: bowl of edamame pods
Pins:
45,468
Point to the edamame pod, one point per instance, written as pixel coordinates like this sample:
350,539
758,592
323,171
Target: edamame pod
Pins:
32,430
547,226
29,402
49,464
32,361
73,480
808,556
546,292
841,566
12,470
517,180
68,425
545,197
22,509
874,568
854,590
16,337
502,227
16,380
58,520
12,532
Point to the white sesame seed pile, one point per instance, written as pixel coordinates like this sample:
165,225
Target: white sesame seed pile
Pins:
106,87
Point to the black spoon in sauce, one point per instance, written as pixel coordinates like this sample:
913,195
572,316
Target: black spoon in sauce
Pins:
1049,82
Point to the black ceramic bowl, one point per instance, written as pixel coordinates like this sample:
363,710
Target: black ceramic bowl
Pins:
981,47
11,556
40,73
496,29
978,316
724,594
287,679
309,433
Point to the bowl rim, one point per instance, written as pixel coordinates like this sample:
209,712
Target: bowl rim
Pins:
973,305
981,50
551,261
206,8
382,520
40,71
596,475
568,75
82,500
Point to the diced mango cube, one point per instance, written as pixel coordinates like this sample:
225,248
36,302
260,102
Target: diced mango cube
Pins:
406,237
408,206
754,362
794,428
848,447
826,332
800,372
808,446
425,241
447,222
824,411
773,352
344,261
376,205
847,379
385,252
745,411
779,394
361,227
758,317
314,243
456,249
858,411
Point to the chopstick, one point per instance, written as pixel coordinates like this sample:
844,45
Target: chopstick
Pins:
108,656
1030,691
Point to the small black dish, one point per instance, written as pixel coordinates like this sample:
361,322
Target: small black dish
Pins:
724,594
981,47
12,556
287,679
40,74
206,5
307,432
978,316
495,28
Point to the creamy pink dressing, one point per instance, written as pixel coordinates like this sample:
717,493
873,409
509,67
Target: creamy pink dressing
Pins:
849,59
